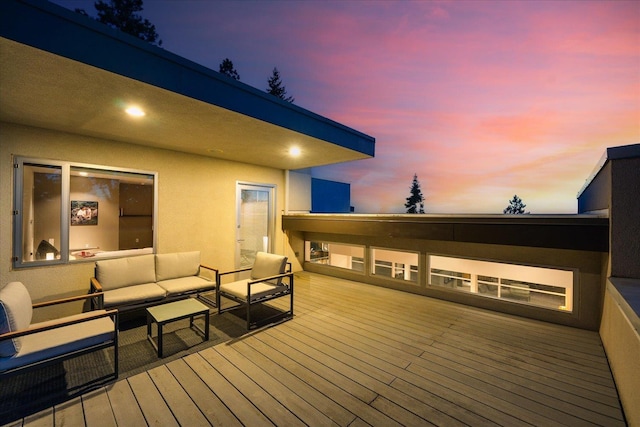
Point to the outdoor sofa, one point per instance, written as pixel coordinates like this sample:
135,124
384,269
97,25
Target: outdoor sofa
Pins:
139,281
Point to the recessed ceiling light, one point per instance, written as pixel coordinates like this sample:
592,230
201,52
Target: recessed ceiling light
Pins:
135,111
294,151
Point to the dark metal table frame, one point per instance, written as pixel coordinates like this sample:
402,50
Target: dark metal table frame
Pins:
172,312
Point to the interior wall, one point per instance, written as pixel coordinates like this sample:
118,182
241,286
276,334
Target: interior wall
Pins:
100,235
196,201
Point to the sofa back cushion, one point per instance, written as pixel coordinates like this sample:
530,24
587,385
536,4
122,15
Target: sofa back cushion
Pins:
176,265
267,265
15,315
121,272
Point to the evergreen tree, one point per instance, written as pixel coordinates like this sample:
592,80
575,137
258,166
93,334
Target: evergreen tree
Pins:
415,202
226,68
121,14
276,88
516,207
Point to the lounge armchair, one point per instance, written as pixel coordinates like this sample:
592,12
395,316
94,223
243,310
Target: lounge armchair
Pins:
268,280
25,346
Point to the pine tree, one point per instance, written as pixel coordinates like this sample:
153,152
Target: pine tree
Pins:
516,207
276,88
121,14
226,68
415,202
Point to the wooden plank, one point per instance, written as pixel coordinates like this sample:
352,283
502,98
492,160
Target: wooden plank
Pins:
97,409
551,384
69,413
322,379
298,387
183,408
261,399
242,408
153,406
497,382
43,418
443,409
211,406
124,405
302,409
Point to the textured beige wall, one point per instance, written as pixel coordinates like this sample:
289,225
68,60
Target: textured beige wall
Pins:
622,344
196,201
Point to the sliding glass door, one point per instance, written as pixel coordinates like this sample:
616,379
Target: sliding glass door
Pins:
255,221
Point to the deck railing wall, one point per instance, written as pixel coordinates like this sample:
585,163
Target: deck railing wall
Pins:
575,243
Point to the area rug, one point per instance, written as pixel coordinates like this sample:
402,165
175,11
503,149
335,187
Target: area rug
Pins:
28,393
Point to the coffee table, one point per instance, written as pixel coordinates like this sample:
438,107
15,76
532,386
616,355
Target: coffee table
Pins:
173,311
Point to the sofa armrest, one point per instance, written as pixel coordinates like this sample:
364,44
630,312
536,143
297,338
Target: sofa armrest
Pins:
97,294
215,270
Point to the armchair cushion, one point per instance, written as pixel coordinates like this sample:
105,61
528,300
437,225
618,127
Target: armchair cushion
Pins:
121,272
258,290
15,314
267,265
59,341
174,265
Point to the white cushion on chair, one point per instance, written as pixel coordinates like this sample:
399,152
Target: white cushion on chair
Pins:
121,272
180,264
258,290
267,265
55,342
15,314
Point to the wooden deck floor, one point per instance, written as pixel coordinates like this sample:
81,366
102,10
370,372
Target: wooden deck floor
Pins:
357,355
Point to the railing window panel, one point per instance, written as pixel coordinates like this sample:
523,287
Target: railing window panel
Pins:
395,264
357,263
539,286
335,254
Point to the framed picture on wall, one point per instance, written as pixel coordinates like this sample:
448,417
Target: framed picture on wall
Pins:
84,213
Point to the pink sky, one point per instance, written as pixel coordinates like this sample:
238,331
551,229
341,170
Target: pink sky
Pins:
483,100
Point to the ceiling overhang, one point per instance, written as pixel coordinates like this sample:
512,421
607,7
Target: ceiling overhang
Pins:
63,71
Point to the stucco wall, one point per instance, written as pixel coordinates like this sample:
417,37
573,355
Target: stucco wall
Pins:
196,201
622,345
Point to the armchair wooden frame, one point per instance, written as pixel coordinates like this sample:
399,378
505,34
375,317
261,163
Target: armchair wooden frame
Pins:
60,323
283,289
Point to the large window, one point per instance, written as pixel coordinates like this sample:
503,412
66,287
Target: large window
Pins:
539,286
67,212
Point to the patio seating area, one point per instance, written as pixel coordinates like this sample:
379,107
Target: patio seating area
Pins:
356,354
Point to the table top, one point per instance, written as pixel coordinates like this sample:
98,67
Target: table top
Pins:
173,310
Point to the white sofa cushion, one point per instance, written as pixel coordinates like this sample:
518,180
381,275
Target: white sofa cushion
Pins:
267,265
179,264
186,284
258,290
15,314
121,272
55,342
134,294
